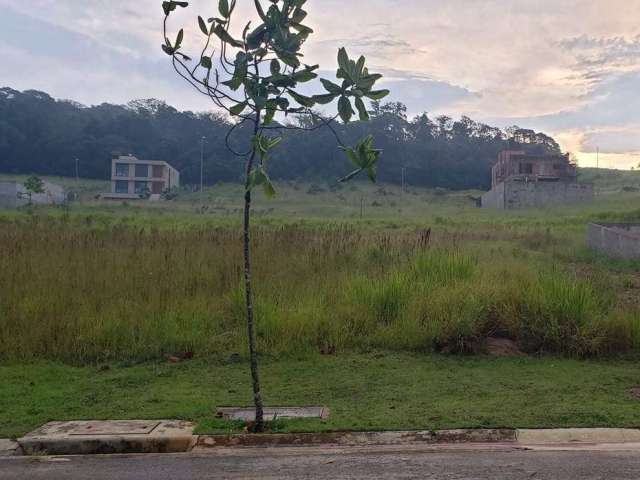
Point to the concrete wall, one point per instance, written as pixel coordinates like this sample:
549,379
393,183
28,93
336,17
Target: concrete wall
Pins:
513,194
13,195
615,239
8,195
494,198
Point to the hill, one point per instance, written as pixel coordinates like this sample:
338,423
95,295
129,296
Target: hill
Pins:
39,134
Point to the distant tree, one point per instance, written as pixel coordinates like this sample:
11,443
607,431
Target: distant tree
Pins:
33,185
43,136
255,79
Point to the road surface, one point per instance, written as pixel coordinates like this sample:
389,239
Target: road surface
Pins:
390,462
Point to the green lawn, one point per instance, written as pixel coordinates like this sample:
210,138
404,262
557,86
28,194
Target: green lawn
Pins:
373,391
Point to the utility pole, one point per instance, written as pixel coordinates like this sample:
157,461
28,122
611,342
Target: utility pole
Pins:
202,140
403,178
77,170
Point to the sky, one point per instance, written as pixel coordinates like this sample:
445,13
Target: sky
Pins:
570,68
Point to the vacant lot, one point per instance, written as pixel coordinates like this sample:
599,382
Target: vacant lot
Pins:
126,282
353,285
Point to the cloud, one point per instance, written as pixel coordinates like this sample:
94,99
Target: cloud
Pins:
569,66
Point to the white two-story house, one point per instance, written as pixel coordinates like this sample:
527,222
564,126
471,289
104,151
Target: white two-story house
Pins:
134,178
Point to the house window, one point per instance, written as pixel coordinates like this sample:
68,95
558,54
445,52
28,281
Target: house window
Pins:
141,187
122,186
142,170
526,168
122,169
158,171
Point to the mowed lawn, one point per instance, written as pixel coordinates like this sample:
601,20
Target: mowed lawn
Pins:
374,391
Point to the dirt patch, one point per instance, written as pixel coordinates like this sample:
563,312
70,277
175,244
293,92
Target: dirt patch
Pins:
502,347
634,393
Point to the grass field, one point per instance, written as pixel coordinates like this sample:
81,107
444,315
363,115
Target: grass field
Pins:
375,391
348,294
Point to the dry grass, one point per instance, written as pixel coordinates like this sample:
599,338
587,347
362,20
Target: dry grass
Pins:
85,289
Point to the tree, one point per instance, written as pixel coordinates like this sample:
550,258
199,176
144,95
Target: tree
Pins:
254,78
33,185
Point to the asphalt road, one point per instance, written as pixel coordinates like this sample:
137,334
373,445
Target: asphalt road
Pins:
477,463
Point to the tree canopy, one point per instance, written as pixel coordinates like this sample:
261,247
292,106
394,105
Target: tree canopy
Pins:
41,135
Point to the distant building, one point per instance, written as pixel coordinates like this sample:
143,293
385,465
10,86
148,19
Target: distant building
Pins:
521,180
132,178
14,195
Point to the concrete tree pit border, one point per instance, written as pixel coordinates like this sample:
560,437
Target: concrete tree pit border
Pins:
248,414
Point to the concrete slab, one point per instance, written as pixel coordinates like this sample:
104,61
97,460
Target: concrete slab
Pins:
248,414
8,447
578,435
98,437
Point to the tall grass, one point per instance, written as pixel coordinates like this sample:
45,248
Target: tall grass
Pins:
97,291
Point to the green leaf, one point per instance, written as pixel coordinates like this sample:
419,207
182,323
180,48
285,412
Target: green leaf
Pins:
343,59
275,67
223,8
325,98
260,10
170,6
351,176
362,110
206,62
270,112
223,35
238,108
203,26
258,176
377,94
256,37
298,15
179,39
301,99
365,157
360,66
330,86
240,72
344,109
289,58
304,76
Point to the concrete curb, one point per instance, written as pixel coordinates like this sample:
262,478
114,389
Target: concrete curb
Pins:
176,440
516,437
358,438
9,448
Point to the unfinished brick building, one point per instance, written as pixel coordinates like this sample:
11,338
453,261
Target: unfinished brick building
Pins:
521,180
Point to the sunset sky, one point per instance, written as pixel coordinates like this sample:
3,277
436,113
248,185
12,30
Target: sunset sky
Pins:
570,68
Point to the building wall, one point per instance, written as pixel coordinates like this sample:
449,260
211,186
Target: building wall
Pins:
515,163
616,240
494,198
170,177
513,194
8,195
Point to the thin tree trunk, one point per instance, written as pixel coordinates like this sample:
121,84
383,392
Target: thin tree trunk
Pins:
257,396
